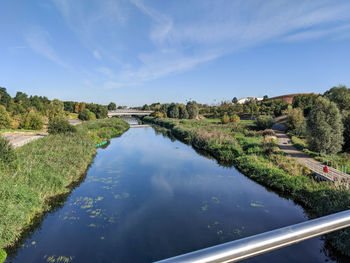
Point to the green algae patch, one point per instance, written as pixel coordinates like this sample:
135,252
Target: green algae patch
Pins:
256,205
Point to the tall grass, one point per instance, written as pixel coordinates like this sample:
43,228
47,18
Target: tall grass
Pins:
47,168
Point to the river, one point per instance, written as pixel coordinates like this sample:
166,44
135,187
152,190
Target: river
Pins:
147,197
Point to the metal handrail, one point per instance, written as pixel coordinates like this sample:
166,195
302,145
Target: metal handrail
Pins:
265,242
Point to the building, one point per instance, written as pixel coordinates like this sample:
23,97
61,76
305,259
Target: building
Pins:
244,100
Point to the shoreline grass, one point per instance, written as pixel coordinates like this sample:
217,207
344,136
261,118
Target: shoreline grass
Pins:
46,169
251,153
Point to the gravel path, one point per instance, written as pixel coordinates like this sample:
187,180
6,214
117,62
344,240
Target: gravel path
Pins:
20,139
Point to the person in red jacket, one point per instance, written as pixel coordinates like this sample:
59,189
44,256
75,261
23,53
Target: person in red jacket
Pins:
326,169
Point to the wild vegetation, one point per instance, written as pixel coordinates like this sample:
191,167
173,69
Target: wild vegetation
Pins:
43,170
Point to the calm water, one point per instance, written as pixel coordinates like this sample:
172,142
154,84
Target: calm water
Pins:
146,198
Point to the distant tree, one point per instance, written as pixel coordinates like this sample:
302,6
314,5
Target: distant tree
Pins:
346,122
5,120
296,121
183,114
305,102
339,95
85,115
112,106
32,121
265,97
58,125
5,98
56,109
252,106
234,100
192,109
82,106
146,107
164,109
120,107
69,106
173,111
76,107
325,128
264,122
235,118
101,112
225,119
21,98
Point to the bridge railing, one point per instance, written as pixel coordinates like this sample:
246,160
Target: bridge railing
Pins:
265,242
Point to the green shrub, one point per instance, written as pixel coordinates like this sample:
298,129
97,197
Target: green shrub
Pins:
235,118
264,122
3,255
59,125
32,121
225,119
5,120
85,115
7,153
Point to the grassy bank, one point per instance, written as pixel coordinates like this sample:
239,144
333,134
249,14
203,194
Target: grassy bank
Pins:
45,169
255,154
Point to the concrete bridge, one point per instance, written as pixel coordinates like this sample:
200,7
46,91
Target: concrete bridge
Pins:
128,112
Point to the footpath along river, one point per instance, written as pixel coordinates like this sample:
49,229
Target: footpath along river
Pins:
147,197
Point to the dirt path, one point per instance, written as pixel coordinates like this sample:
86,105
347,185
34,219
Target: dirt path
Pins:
18,139
286,145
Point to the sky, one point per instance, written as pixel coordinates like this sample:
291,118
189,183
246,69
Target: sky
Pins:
134,52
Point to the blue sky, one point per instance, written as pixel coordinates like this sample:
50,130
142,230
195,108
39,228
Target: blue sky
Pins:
137,51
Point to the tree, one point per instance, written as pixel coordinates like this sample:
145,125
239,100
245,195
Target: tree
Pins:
5,120
296,121
325,128
346,122
253,107
339,95
76,107
32,121
192,109
265,97
85,115
164,109
82,106
5,98
264,122
305,102
183,114
101,112
56,109
234,100
173,111
146,107
69,106
112,106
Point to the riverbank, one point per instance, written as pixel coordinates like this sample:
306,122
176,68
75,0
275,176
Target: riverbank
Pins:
46,169
255,154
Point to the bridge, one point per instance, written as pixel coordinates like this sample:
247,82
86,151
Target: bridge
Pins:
128,112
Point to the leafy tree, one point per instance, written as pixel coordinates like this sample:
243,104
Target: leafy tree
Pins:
253,107
173,111
5,120
69,106
325,128
56,109
305,102
265,97
164,109
32,121
346,122
264,122
82,106
59,125
339,95
225,119
296,121
76,107
21,98
192,109
101,112
112,106
235,118
234,100
84,115
146,107
183,114
5,98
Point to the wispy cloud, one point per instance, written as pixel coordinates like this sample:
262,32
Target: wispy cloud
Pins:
187,34
40,41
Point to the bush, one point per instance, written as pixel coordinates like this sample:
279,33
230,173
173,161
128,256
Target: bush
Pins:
3,255
7,153
225,119
32,121
264,122
59,125
235,118
85,115
5,120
